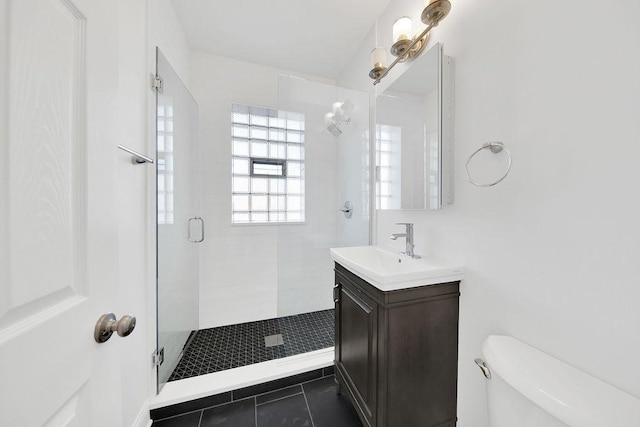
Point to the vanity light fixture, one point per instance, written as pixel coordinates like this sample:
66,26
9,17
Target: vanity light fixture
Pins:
405,45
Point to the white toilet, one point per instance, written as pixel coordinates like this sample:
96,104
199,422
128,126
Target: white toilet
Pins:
529,388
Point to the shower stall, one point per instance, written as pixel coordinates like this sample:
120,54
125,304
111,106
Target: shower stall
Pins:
249,203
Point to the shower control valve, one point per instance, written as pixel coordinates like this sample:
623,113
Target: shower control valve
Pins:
107,325
347,209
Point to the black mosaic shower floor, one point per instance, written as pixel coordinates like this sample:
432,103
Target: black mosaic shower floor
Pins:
226,347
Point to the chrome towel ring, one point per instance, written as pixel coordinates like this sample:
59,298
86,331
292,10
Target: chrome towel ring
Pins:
495,147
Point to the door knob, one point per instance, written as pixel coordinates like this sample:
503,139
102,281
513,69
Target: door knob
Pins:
107,325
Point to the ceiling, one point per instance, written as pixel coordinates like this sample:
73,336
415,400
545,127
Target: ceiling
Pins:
316,37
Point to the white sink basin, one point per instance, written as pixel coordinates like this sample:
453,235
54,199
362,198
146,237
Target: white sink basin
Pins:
388,270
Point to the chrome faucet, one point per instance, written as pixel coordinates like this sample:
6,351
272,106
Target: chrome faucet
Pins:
408,235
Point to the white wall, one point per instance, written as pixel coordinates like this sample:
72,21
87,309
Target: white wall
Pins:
132,212
166,33
550,253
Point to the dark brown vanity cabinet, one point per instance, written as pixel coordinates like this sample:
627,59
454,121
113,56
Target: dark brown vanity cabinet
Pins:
397,351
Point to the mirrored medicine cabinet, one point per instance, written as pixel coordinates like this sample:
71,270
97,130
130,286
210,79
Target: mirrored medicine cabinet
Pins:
414,136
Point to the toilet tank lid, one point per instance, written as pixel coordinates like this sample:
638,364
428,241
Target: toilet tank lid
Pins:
569,394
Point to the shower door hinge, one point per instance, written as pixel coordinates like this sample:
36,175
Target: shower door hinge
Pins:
157,84
157,357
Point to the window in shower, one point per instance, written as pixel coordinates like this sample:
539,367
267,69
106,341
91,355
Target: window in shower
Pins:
267,165
388,143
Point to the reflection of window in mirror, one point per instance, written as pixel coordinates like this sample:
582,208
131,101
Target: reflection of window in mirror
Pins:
433,169
388,159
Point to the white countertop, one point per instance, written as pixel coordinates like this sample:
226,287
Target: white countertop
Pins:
388,270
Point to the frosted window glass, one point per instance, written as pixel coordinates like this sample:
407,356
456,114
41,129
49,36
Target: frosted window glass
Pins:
295,217
276,186
294,136
277,216
294,124
240,202
258,149
277,151
294,186
240,166
277,134
259,133
240,184
294,169
260,119
240,118
294,203
277,122
239,217
294,152
258,185
240,131
277,203
259,203
259,216
240,148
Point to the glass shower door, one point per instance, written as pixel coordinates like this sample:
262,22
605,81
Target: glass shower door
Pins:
330,185
179,228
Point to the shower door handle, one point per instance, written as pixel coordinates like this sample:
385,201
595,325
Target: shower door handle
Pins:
189,227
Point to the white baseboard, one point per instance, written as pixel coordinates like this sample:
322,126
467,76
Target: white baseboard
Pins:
143,419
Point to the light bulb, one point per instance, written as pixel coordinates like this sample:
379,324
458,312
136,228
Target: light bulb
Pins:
402,29
378,57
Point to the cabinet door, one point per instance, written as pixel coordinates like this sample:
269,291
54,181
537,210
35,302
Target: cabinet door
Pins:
356,346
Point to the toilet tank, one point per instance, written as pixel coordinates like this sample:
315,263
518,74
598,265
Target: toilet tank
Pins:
529,388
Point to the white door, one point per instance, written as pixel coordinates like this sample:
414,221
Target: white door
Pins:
58,229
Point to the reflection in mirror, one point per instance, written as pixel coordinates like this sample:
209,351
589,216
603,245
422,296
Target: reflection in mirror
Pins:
409,135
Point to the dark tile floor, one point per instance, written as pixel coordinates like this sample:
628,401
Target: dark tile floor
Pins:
310,404
226,347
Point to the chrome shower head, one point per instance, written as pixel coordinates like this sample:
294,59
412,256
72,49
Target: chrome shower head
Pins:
334,130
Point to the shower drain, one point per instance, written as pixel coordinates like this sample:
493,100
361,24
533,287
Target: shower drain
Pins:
273,340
